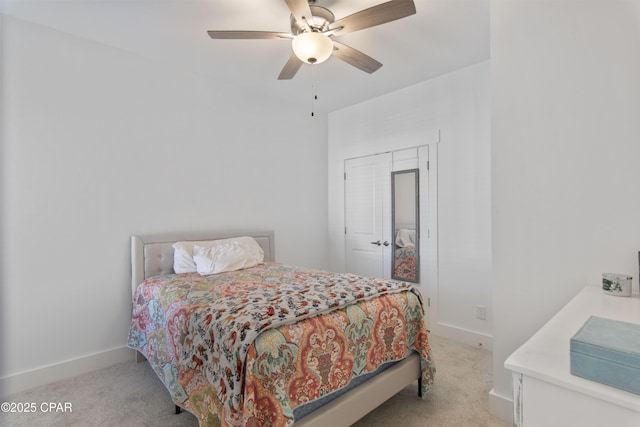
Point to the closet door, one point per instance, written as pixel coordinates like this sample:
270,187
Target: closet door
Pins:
367,215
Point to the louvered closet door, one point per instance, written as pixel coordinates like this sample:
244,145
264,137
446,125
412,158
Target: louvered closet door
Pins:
367,215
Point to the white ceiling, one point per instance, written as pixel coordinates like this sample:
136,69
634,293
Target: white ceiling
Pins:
442,36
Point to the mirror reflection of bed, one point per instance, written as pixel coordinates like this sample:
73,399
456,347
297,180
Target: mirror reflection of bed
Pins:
404,254
405,220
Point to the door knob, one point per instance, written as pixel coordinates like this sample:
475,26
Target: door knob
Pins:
386,243
376,243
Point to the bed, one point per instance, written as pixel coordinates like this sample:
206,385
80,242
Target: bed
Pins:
300,345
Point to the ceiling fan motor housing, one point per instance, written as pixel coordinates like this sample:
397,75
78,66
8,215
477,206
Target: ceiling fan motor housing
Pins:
320,21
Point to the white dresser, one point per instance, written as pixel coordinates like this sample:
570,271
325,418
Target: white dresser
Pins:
545,394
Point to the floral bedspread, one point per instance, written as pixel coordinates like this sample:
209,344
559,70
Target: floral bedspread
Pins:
232,349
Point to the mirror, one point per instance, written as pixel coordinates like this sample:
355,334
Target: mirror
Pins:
405,222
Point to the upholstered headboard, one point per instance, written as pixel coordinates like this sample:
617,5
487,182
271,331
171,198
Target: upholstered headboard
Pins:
152,254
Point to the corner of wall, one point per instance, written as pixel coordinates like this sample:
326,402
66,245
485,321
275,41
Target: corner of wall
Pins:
500,406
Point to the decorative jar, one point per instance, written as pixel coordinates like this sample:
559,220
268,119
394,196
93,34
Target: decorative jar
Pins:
616,284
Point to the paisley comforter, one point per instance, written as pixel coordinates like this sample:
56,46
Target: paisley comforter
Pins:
246,348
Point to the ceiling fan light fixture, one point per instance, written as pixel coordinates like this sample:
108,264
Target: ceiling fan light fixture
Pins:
312,47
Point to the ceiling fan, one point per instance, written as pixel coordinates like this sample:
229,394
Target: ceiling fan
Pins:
312,29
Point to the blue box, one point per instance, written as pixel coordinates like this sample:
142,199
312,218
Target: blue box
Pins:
607,351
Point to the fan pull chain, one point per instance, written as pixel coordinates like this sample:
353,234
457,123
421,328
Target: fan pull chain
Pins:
313,100
314,92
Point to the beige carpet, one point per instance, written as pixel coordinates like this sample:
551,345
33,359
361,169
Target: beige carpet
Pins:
130,394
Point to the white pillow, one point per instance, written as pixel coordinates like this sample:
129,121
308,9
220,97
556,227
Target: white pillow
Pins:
229,255
183,261
405,238
183,255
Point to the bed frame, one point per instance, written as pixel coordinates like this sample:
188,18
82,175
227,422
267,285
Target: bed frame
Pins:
152,255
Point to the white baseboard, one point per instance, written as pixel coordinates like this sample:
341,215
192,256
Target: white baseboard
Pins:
26,380
501,406
465,336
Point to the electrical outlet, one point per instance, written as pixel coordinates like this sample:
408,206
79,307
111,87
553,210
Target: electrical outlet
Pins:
481,312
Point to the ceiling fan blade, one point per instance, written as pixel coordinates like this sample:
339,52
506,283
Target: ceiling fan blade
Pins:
290,68
300,10
248,35
355,57
375,15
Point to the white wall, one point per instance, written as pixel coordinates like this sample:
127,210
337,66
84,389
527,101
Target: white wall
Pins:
565,148
453,108
100,144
